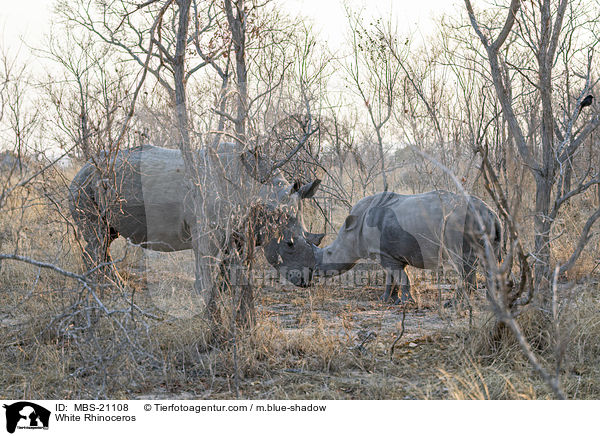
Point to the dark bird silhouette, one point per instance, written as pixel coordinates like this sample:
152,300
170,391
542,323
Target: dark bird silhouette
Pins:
585,103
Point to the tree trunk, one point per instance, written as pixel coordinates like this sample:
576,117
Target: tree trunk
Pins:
237,25
241,286
204,269
545,176
542,227
382,158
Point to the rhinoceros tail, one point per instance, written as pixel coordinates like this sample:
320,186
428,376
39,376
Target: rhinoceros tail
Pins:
497,237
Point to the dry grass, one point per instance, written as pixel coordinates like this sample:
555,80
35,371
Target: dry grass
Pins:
566,233
304,345
326,342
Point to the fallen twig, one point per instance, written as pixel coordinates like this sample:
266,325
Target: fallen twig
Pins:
400,335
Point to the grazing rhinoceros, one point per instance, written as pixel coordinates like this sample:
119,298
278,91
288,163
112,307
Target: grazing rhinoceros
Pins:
417,230
144,197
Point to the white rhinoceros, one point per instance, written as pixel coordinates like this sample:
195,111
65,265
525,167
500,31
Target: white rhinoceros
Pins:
144,196
417,230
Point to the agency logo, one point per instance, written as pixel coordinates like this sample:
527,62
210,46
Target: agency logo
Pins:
26,415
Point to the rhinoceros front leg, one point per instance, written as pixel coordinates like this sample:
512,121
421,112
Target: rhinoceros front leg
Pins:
397,277
462,297
470,281
391,289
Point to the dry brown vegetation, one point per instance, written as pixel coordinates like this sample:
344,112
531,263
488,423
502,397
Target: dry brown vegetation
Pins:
490,104
306,346
326,342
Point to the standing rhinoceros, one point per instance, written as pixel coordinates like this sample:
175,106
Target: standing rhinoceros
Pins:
417,230
143,196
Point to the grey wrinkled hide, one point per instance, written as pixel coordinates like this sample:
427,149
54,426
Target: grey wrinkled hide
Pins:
145,198
420,230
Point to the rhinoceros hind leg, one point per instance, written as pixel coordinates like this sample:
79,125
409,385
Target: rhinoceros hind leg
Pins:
406,296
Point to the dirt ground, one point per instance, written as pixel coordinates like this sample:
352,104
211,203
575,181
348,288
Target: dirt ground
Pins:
329,341
332,341
356,313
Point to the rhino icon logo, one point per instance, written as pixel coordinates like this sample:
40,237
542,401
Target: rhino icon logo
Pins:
26,415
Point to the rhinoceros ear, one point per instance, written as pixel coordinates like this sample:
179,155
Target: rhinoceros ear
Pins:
350,223
308,190
314,238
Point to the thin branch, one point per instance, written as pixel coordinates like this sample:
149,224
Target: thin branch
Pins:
399,335
81,278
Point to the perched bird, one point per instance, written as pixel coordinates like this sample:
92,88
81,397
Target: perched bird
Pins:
585,102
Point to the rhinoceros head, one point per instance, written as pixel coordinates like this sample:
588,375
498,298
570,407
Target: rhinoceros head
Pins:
288,246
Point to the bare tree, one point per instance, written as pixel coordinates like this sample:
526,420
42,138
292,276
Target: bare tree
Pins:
540,32
374,75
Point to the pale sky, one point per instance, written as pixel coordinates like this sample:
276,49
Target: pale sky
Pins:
411,15
25,19
25,23
29,20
